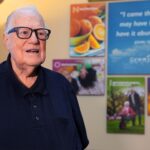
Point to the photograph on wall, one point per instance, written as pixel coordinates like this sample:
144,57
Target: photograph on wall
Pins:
94,0
85,75
148,104
125,105
129,38
87,30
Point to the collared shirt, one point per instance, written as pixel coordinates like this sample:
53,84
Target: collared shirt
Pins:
43,117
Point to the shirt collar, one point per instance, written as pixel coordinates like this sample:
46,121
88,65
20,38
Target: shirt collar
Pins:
39,86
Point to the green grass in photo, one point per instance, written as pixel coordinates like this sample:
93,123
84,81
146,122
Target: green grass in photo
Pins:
113,127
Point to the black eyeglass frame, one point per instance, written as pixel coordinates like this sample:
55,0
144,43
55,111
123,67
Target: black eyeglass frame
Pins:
15,29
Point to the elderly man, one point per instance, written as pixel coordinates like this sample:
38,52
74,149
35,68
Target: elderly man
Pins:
135,102
38,110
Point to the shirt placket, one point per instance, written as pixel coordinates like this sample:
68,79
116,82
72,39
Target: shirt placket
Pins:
36,110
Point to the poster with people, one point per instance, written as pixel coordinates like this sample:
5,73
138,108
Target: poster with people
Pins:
125,105
87,29
85,75
129,38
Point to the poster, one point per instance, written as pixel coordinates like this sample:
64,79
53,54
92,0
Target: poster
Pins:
148,92
95,0
101,0
125,105
85,75
129,38
106,0
87,30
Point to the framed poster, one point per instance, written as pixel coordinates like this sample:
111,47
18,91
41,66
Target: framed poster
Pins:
125,105
129,38
100,0
85,75
87,29
148,96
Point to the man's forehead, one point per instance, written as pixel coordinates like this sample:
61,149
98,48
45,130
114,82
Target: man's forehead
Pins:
21,15
27,19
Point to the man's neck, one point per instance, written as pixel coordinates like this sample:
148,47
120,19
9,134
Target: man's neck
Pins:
25,74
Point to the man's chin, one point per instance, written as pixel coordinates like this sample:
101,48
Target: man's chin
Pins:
35,64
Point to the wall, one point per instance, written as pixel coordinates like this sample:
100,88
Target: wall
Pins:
56,13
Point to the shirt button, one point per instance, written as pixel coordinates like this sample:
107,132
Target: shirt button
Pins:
32,95
37,118
34,106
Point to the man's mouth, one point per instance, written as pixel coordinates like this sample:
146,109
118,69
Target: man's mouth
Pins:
32,51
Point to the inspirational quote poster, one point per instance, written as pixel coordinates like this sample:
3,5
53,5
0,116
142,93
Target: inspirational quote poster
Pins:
129,38
101,0
148,96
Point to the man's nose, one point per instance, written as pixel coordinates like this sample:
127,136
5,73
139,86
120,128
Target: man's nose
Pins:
34,37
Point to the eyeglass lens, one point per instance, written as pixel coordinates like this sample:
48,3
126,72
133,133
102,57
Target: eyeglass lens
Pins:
26,33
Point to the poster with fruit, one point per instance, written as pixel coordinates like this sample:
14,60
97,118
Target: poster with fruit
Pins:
126,105
85,75
87,30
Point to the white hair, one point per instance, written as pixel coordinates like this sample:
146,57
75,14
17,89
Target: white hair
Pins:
126,103
31,10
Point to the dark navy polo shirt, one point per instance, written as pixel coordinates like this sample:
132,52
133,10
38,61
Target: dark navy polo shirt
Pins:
43,117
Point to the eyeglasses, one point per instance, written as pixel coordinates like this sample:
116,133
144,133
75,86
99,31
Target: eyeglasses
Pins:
26,32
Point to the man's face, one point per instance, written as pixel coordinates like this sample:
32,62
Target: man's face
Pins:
26,52
132,91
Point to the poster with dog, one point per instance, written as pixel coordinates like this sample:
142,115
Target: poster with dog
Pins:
85,75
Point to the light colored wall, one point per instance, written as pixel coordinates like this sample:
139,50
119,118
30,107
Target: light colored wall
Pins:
56,13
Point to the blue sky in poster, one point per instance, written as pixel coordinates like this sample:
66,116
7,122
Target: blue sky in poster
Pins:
129,37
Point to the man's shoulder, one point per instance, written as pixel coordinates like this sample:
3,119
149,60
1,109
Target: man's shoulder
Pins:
2,67
55,80
51,73
53,76
3,73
